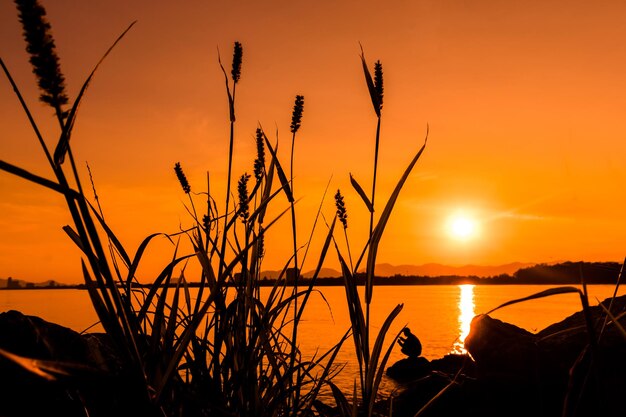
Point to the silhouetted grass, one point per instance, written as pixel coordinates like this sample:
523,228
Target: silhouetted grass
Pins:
371,359
228,349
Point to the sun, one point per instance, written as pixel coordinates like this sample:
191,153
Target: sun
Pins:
462,227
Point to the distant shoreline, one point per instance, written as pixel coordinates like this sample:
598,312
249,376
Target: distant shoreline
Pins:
567,273
389,282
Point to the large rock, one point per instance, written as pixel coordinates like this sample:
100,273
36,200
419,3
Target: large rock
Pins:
89,375
409,369
568,365
556,372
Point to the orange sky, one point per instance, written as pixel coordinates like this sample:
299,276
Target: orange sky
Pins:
525,102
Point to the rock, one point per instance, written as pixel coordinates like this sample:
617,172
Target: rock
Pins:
408,369
453,363
411,369
501,348
536,368
555,372
90,375
421,382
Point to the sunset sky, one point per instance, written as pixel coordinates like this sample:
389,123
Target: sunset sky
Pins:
525,103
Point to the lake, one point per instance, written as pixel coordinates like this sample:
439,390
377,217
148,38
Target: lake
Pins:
439,315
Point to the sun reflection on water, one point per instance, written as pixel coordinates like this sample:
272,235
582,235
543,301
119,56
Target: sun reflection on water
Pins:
466,314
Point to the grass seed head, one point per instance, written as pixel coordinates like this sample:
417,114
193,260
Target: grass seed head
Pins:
378,82
242,190
296,117
237,59
182,178
40,45
342,213
259,162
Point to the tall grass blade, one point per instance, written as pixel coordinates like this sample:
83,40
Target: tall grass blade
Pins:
15,170
231,101
380,372
361,192
50,370
432,401
542,294
382,222
615,290
159,315
318,268
156,285
116,243
135,262
172,321
281,173
372,369
63,144
75,238
561,290
615,320
355,403
370,84
357,320
102,305
343,405
29,115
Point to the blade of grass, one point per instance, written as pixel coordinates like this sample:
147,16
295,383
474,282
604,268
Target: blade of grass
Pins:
380,372
29,115
318,268
63,143
361,193
340,399
370,378
546,293
615,320
370,84
12,169
357,320
279,170
135,262
382,222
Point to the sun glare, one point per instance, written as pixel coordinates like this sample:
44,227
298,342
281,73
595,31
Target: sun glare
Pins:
466,314
462,227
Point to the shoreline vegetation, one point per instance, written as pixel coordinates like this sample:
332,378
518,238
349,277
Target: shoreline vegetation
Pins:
565,273
227,351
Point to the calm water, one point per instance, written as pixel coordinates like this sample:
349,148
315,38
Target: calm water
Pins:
439,315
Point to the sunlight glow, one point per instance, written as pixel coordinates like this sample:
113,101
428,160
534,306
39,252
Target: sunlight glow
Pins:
462,227
466,314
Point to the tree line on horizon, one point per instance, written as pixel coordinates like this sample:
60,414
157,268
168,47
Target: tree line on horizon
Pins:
564,273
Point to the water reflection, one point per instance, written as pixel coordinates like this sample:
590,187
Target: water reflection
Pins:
466,314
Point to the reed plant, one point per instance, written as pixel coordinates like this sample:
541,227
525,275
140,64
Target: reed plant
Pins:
228,350
371,359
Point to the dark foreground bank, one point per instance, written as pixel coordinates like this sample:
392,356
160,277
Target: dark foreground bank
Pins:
567,369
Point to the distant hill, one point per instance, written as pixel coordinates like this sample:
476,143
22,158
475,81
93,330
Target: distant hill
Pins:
565,273
426,270
386,274
570,272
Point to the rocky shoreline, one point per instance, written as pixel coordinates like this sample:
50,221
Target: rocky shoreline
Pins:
559,371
